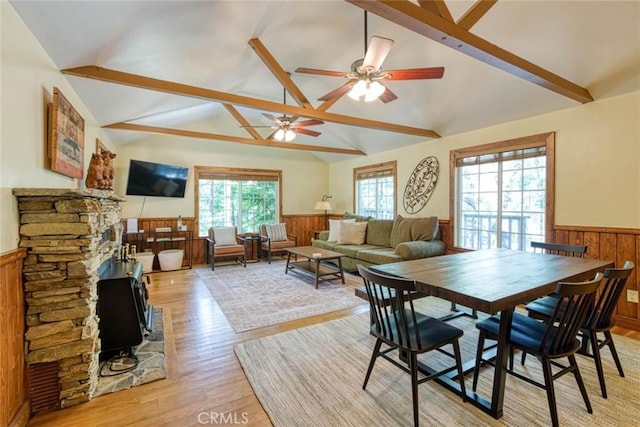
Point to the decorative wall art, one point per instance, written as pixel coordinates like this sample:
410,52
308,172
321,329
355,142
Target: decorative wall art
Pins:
421,184
66,137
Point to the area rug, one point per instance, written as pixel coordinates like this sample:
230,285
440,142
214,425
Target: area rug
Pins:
150,363
262,294
313,376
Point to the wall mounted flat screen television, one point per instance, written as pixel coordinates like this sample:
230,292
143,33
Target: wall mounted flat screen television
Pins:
156,179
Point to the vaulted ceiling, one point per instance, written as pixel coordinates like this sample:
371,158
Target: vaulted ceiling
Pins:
211,69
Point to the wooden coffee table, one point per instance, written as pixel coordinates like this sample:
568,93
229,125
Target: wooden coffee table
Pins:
314,262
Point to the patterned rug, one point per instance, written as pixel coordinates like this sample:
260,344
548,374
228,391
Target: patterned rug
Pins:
263,295
313,376
147,366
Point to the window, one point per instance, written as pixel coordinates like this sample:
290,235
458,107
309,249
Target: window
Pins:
503,193
375,190
245,198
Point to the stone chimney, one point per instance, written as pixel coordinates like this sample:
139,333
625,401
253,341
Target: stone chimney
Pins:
68,235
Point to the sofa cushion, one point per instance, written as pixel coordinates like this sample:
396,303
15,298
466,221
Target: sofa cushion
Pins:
401,231
334,228
379,232
358,218
352,233
420,249
424,228
379,256
323,244
413,229
353,251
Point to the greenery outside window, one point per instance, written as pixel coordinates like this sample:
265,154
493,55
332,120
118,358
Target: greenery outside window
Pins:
375,190
503,193
245,198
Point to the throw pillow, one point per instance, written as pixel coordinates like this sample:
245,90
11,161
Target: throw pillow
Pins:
352,233
401,231
225,236
334,228
424,228
276,232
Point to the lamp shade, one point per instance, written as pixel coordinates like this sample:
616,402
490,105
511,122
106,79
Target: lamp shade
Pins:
323,206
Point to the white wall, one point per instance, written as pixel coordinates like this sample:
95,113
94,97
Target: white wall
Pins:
305,177
26,83
597,163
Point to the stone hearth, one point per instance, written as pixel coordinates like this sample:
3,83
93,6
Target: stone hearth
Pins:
68,235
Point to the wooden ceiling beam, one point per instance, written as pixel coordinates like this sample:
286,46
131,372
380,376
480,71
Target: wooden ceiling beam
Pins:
438,7
134,80
475,12
229,138
424,22
283,77
243,122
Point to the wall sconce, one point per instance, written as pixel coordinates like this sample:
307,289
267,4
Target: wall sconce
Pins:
326,206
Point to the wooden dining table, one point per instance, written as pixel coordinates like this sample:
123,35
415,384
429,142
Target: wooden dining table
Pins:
492,281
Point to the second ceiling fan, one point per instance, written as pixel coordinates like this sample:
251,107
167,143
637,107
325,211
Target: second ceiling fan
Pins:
366,74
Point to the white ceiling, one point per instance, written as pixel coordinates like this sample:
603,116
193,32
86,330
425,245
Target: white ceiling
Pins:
594,44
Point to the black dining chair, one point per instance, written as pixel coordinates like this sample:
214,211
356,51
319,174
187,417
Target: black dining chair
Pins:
577,251
400,327
600,319
547,341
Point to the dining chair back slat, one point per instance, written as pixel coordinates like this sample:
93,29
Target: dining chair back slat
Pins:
559,249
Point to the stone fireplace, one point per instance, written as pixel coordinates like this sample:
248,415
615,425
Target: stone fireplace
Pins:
68,235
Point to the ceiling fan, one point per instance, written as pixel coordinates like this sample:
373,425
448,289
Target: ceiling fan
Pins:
286,127
366,75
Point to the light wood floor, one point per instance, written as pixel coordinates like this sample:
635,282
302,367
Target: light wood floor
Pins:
204,378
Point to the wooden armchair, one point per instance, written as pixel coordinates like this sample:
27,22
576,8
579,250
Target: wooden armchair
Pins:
274,238
223,243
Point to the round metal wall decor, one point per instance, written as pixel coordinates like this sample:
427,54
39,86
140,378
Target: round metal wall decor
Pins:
421,184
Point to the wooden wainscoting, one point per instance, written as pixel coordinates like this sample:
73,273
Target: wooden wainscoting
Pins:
618,244
14,403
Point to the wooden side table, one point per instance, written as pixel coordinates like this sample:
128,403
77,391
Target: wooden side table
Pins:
252,243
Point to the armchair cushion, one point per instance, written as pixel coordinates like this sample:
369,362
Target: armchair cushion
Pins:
276,232
225,236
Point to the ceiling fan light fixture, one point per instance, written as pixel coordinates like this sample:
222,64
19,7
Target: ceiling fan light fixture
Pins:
279,135
374,90
358,90
289,135
286,135
370,90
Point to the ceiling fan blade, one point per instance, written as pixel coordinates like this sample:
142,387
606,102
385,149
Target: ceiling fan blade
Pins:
339,91
387,96
320,72
251,126
307,132
415,73
377,51
310,122
273,118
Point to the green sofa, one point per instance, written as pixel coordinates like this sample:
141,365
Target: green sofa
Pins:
387,241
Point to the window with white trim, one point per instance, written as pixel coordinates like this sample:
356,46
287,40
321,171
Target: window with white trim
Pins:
503,193
375,190
236,197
